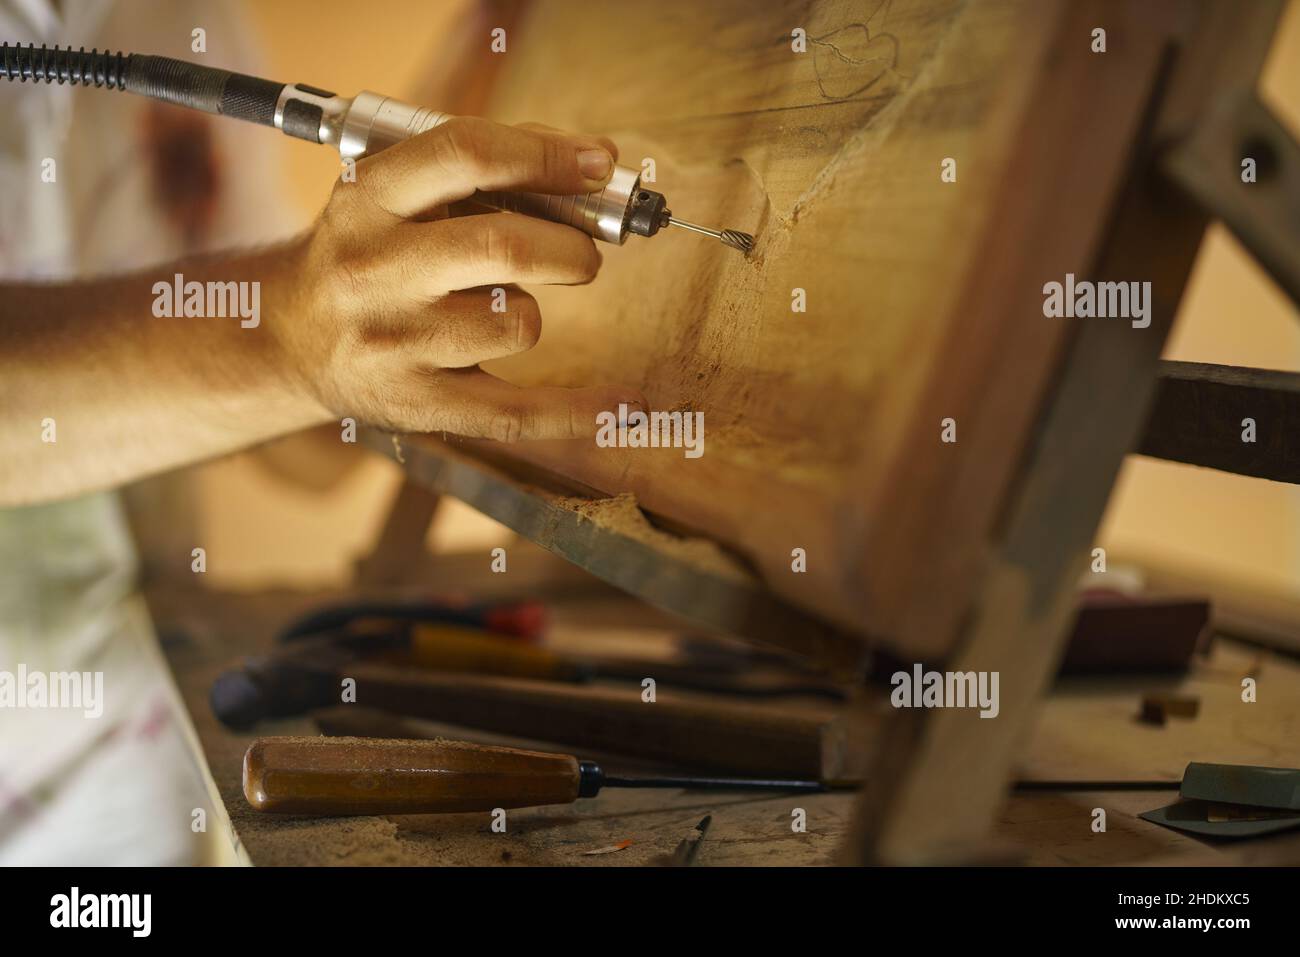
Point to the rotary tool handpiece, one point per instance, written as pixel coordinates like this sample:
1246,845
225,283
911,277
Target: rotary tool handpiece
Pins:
356,126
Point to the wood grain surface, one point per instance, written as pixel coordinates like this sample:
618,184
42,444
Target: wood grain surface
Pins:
822,428
831,157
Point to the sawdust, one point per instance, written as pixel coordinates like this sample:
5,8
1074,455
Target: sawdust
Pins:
623,515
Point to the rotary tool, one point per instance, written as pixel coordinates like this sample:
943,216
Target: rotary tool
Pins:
356,126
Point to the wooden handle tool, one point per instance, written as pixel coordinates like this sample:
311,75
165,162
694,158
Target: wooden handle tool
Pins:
338,776
341,776
463,650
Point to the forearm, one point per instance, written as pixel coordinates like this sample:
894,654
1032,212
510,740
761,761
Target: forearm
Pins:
96,389
382,311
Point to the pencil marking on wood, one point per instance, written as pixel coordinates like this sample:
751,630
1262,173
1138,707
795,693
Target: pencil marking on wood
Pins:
839,68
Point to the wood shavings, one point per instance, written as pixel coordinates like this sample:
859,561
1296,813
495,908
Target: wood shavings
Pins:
622,515
613,848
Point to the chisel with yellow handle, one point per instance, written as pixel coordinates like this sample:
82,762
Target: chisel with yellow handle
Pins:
344,776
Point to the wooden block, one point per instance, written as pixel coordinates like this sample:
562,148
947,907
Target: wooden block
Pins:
1198,416
924,297
1159,708
1117,635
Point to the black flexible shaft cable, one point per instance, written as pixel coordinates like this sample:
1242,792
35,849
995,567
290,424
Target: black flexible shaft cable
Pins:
157,77
44,65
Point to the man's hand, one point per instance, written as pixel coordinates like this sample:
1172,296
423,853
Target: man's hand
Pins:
380,312
395,301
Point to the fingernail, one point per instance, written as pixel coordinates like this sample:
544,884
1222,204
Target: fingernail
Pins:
594,164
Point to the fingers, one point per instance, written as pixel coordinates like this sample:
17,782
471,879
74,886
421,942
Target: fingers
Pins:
604,141
401,302
473,403
489,250
449,162
464,328
469,206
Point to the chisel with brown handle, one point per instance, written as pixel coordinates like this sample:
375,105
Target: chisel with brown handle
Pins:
342,776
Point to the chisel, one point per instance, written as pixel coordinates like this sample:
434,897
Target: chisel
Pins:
345,776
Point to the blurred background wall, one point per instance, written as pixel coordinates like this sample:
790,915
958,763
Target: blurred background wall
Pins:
300,511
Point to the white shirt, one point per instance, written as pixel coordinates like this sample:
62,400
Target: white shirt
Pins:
120,788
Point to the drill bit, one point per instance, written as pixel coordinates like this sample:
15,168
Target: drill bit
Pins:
728,237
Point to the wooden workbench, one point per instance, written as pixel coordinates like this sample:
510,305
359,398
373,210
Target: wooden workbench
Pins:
202,633
1088,731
